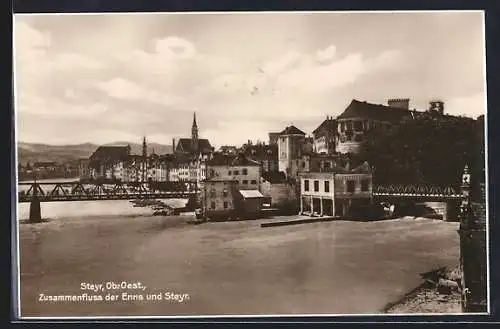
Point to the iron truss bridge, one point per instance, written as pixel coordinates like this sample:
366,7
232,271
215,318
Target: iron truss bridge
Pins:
422,192
76,191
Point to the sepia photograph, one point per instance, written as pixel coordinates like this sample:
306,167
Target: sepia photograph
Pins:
255,164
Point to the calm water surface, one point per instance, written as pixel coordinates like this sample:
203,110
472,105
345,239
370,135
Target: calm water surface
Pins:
226,268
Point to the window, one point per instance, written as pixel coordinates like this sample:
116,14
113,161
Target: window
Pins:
350,186
244,171
316,186
213,193
358,138
326,164
253,182
229,173
365,184
245,182
303,164
358,126
236,172
225,205
327,186
212,205
306,185
224,193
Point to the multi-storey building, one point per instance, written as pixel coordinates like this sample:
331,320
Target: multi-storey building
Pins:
217,198
291,143
325,136
107,162
238,168
226,199
266,155
334,192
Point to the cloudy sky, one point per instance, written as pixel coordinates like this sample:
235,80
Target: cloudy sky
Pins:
105,78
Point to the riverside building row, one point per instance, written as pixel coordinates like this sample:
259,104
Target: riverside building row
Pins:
279,170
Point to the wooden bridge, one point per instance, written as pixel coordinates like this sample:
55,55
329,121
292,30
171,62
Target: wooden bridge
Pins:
77,191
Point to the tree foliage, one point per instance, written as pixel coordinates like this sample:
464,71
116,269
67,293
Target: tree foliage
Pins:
429,149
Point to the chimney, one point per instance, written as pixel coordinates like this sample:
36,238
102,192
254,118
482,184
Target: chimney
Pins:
400,103
437,105
173,145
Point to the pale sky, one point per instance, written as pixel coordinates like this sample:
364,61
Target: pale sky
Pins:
104,78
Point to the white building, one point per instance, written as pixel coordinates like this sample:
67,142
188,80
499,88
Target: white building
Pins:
238,168
334,192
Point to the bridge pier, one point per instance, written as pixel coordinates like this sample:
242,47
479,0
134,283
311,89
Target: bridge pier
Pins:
35,210
452,210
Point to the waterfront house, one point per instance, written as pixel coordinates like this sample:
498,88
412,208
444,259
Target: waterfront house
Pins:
217,198
235,168
334,191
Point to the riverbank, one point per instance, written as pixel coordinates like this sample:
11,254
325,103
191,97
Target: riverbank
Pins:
426,299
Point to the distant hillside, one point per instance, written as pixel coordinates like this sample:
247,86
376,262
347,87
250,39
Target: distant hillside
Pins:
33,152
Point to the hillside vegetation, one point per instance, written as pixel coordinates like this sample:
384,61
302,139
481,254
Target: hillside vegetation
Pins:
33,152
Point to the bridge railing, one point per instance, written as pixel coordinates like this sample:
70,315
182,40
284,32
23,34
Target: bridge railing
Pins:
416,190
81,191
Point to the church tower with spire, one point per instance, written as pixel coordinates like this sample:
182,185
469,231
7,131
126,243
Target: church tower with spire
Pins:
194,135
144,147
144,159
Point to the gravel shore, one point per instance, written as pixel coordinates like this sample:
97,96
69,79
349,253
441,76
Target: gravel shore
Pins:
426,299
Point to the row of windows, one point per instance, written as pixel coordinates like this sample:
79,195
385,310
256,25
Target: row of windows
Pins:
213,193
349,138
350,186
212,205
352,125
244,171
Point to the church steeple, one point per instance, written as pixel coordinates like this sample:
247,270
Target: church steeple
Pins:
194,135
144,147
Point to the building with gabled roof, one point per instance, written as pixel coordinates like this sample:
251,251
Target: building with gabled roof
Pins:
324,136
109,162
239,168
359,118
194,145
291,142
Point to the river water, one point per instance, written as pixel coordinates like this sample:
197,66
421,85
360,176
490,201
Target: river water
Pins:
341,267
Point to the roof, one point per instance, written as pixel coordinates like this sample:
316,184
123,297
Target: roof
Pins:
184,145
45,164
231,160
250,194
358,109
292,130
329,125
274,177
261,151
220,180
111,153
